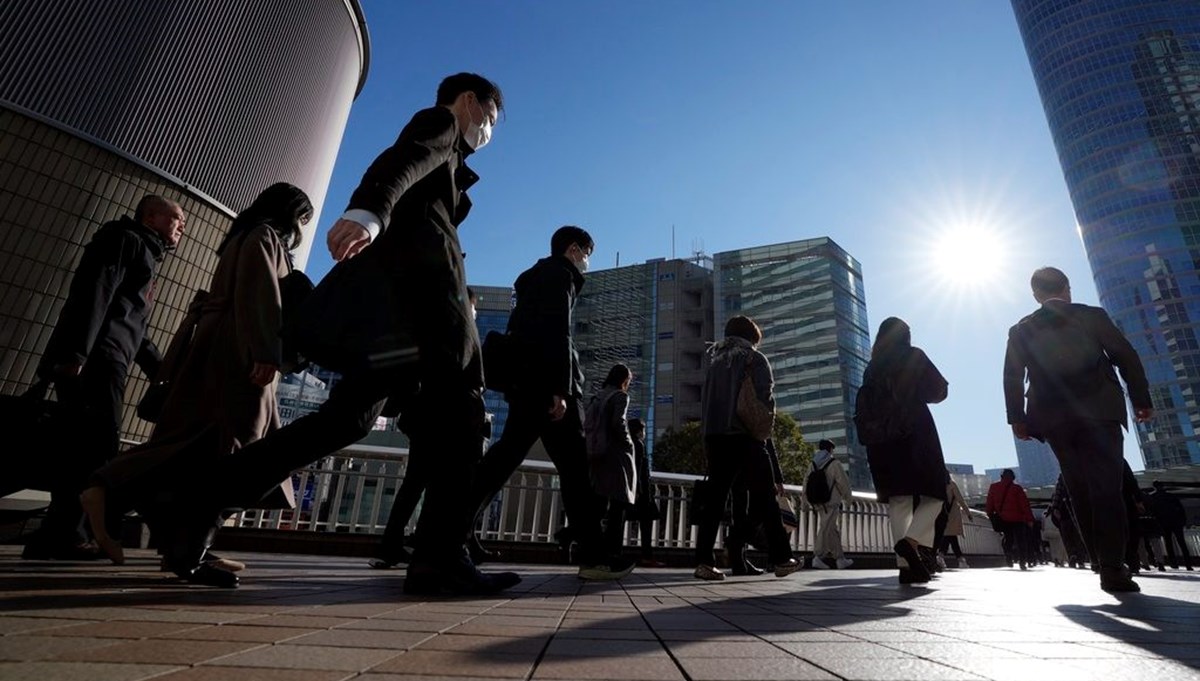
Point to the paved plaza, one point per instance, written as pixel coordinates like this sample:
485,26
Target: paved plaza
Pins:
308,618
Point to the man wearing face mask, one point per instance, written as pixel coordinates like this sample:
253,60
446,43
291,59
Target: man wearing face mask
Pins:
393,317
545,401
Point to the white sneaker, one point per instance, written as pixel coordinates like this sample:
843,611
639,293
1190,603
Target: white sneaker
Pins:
941,561
844,563
708,573
962,563
819,563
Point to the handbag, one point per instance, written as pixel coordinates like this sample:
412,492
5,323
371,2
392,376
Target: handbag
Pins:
150,406
501,365
787,513
32,423
294,290
757,417
997,522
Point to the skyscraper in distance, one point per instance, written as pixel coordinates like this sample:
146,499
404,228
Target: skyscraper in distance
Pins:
1120,83
808,298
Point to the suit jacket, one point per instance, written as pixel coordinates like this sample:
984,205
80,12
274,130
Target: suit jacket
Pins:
1106,403
404,298
542,323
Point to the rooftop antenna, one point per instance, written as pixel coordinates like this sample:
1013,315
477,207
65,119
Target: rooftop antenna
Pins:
672,240
618,258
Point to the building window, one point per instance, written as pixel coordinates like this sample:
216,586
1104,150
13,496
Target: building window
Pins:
666,335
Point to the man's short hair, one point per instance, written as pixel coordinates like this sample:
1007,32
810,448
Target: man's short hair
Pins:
1008,473
484,89
1048,281
570,234
827,445
743,327
151,204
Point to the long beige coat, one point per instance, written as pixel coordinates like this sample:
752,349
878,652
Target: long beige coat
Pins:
954,520
211,397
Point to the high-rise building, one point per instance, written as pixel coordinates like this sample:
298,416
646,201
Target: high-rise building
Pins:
655,318
206,102
1120,83
961,468
1039,466
493,307
808,298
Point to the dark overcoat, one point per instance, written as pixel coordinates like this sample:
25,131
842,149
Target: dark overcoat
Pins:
912,465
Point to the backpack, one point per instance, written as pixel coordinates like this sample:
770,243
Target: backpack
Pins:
879,417
1065,360
816,485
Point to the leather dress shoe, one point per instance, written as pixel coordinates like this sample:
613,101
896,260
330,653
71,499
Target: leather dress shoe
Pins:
428,580
916,566
1117,580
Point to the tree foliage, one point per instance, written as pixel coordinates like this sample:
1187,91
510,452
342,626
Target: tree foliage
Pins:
681,450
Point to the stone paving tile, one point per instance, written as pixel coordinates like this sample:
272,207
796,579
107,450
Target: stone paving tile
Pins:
34,647
610,634
380,624
896,669
123,629
646,669
816,652
79,671
296,621
766,669
16,625
579,647
424,663
362,638
286,656
255,674
468,642
729,649
237,632
158,652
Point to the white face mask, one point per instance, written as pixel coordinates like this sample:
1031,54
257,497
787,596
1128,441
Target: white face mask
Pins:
477,135
582,264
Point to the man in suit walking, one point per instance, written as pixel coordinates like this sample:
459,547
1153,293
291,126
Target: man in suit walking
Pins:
394,318
1066,351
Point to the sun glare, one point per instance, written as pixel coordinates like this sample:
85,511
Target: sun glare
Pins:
968,256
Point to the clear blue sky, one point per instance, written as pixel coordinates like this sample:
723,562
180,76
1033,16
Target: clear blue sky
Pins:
888,126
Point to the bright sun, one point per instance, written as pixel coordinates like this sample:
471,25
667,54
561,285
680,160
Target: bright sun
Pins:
968,256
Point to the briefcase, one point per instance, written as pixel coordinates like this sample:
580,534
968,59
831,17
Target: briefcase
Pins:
33,428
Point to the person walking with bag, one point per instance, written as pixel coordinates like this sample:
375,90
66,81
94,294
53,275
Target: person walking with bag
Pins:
1008,508
546,399
393,318
957,513
101,332
611,453
903,448
1066,353
828,505
737,412
220,375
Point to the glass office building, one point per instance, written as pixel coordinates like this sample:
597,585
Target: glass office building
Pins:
808,298
1120,83
493,306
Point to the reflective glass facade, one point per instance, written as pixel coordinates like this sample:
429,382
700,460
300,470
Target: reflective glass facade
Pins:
493,305
808,298
1120,83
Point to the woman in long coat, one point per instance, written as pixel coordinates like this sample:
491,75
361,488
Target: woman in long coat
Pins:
611,462
909,472
222,383
956,511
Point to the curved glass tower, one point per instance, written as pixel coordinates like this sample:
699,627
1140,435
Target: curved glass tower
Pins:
1120,82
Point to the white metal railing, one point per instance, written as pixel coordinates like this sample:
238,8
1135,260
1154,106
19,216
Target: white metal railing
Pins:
353,491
